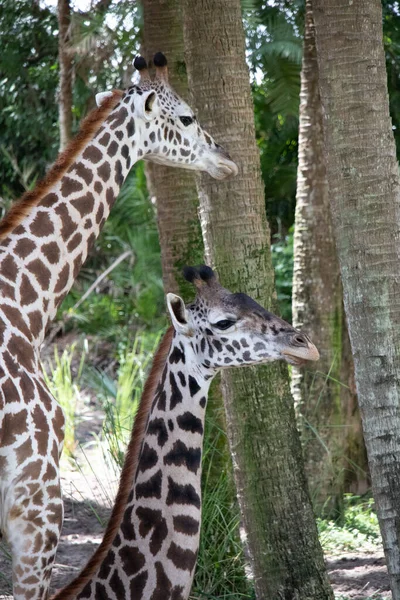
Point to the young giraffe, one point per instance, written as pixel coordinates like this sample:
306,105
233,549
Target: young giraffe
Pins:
44,240
150,546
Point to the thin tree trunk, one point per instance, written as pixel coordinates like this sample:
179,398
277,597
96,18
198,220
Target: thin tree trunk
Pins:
364,190
66,70
282,539
324,394
175,194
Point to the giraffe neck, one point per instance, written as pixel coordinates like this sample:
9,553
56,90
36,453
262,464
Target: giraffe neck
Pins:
41,257
153,554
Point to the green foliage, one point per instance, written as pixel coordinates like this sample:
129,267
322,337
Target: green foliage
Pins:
360,528
282,258
28,84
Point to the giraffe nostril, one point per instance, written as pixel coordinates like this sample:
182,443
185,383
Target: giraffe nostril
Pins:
300,339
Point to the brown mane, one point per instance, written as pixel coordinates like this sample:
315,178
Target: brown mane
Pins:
127,474
29,200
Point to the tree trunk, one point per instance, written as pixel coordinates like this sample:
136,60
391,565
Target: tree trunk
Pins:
66,70
175,193
324,394
282,539
364,190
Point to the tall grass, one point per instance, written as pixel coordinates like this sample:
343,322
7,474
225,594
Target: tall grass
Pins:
65,388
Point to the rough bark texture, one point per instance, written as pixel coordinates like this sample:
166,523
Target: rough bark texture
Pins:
365,196
66,71
282,540
324,394
174,191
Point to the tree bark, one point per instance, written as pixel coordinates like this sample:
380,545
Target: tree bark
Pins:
324,394
282,539
66,72
365,197
175,193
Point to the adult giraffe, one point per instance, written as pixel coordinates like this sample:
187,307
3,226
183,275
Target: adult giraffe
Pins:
150,546
44,239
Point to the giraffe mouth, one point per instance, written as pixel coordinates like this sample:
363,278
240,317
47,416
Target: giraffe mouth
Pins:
300,356
223,169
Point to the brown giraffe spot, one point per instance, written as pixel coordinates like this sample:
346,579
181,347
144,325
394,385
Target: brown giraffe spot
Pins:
31,580
185,524
63,277
152,519
38,498
112,149
83,172
15,317
42,430
10,392
77,266
38,543
55,513
32,470
19,230
44,396
41,272
101,592
52,541
50,473
53,491
91,240
182,559
92,154
107,565
84,204
104,139
2,329
127,528
68,226
104,172
29,529
35,322
132,560
100,213
33,488
11,366
74,242
15,512
116,585
24,451
34,517
27,387
163,585
119,178
24,247
27,291
138,584
3,465
117,118
7,290
98,187
51,252
55,452
88,224
42,225
8,268
70,186
59,423
22,351
110,197
49,200
12,426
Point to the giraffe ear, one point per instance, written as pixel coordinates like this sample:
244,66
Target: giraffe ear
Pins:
178,314
101,96
147,105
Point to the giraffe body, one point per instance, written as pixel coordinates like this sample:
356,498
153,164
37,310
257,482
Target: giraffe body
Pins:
153,546
44,241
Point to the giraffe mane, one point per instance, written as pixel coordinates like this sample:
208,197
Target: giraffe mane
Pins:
30,199
128,472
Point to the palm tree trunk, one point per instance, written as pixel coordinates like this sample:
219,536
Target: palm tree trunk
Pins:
175,193
282,539
66,70
324,394
364,190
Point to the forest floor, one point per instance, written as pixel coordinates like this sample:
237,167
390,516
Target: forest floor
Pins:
89,486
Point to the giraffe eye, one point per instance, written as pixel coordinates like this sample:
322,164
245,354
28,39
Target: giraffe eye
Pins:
224,324
186,120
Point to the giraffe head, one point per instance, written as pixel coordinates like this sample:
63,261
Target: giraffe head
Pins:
169,131
228,330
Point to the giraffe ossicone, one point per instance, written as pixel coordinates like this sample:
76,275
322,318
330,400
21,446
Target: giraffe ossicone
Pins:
151,543
44,240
